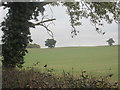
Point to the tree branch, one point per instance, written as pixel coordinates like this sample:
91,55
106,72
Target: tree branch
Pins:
39,23
48,30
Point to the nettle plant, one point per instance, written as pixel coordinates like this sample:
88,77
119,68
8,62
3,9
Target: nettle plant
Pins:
17,23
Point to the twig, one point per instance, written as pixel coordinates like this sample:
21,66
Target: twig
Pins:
48,30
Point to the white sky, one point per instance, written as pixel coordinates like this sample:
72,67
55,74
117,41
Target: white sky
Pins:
62,31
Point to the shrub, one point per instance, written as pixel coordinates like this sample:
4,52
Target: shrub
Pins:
31,78
33,46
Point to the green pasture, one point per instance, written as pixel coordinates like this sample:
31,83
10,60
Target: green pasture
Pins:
99,60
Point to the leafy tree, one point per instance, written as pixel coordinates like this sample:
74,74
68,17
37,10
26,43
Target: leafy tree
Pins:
50,43
16,31
110,41
17,23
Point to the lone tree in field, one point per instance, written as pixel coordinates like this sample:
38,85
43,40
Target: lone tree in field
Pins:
17,23
110,41
50,43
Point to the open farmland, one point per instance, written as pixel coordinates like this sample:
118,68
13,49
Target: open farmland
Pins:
99,60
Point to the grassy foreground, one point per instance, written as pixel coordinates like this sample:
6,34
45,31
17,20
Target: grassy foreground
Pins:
95,60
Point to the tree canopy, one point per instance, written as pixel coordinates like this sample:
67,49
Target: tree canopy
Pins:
17,23
110,41
50,43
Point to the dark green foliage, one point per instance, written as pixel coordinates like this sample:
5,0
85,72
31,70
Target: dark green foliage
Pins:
50,43
16,31
110,41
33,46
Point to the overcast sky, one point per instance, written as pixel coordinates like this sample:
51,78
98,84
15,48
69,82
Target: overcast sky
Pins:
62,30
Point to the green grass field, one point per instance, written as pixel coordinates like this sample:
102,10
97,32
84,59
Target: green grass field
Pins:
95,60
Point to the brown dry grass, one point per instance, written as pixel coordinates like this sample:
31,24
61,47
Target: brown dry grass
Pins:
31,78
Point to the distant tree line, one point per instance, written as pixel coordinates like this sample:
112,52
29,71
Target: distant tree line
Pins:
33,46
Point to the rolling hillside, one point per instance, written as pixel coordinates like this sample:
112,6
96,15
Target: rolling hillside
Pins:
98,60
